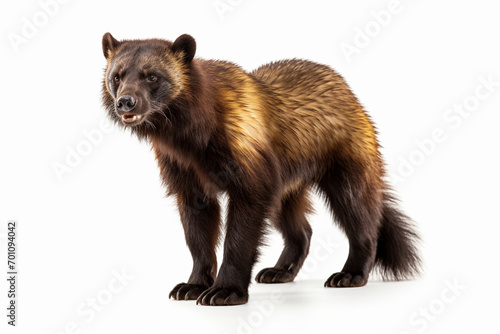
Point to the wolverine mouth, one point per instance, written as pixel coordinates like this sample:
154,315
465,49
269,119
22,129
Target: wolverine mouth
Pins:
131,119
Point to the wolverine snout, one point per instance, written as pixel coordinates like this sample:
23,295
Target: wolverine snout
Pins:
125,104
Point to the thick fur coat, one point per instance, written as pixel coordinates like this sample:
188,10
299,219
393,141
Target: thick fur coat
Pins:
266,139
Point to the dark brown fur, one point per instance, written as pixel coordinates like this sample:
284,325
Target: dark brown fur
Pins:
264,138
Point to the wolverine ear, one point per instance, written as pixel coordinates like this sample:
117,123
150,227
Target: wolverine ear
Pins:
186,45
109,44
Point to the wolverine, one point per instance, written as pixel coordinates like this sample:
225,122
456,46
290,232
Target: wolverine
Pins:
266,139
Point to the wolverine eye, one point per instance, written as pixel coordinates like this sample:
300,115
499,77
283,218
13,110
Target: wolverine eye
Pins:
117,78
152,78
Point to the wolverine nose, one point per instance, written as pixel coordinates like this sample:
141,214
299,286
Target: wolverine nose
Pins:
126,103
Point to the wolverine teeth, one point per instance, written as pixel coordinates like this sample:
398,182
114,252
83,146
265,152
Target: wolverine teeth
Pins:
130,118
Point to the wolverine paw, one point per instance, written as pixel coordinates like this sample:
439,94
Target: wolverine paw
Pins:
218,296
274,275
346,280
184,291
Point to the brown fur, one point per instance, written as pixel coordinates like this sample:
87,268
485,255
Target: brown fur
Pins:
265,138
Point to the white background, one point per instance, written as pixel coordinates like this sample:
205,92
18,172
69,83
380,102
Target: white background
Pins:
110,213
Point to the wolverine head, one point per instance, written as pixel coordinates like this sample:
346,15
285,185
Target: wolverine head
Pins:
143,78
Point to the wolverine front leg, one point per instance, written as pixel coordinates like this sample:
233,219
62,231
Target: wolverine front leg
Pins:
247,212
200,218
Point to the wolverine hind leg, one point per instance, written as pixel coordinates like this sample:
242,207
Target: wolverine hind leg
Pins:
354,197
292,223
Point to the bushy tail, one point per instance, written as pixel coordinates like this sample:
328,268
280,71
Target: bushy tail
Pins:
397,255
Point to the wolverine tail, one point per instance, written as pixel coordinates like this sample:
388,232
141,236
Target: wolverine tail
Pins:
397,255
